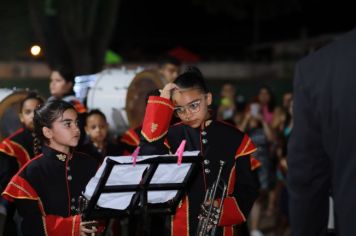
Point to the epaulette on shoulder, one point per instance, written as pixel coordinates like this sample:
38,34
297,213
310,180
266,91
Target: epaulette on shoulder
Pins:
246,147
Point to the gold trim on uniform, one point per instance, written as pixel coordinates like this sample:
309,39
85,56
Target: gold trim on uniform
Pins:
22,189
161,102
133,137
154,127
153,139
16,197
208,122
187,200
73,224
246,146
9,152
61,157
23,149
238,208
233,171
172,224
44,225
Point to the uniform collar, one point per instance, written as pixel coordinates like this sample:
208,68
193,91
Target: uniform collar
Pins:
52,153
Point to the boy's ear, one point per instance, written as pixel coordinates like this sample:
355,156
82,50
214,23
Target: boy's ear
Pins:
47,132
209,98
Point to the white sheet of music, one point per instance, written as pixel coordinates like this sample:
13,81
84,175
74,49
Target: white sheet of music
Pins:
129,174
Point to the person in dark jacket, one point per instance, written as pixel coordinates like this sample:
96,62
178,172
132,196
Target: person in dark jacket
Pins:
322,149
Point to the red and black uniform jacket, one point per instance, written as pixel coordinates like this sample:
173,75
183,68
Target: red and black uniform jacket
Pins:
46,192
130,140
15,151
217,141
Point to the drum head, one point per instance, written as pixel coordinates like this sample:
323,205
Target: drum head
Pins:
142,84
9,110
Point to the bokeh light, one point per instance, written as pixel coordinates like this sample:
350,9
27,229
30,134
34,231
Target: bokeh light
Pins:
35,50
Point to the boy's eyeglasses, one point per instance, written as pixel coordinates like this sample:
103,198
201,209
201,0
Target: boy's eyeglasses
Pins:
193,107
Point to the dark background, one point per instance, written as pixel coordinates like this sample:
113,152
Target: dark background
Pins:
147,28
215,30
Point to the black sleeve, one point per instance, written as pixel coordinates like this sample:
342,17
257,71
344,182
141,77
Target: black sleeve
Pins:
8,168
156,147
246,186
32,222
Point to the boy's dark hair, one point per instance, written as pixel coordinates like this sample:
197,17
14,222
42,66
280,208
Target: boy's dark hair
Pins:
169,60
192,78
32,95
95,112
45,116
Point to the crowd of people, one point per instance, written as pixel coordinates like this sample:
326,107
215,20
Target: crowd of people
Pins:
45,165
269,126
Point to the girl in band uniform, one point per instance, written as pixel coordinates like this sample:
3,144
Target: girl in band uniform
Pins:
189,98
17,149
47,188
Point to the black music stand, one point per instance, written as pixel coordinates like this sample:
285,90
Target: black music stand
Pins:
139,204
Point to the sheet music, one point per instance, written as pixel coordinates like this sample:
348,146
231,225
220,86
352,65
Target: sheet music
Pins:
129,174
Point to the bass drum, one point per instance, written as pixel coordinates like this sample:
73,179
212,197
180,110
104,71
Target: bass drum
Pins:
10,101
121,95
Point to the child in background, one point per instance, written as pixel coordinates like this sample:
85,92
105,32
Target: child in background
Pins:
98,144
47,188
16,150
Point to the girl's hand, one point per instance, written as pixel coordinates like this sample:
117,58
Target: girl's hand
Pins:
168,89
88,227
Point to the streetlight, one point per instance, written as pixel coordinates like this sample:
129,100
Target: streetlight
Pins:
35,50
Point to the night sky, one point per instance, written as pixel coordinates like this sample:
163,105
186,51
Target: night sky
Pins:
146,29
